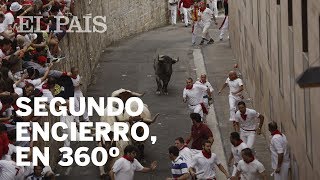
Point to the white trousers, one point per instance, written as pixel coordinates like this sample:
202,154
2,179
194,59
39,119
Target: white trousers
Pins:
234,171
77,95
187,15
214,7
233,104
173,10
283,175
224,27
197,29
196,109
248,137
67,120
205,30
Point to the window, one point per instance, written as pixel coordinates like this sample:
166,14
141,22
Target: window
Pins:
261,81
268,33
278,2
246,41
240,24
259,19
252,57
270,107
307,111
295,168
292,76
268,39
252,12
280,64
304,14
290,20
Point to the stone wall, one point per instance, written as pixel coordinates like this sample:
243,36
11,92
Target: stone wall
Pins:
271,55
125,18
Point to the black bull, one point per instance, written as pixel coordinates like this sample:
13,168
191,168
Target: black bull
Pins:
163,70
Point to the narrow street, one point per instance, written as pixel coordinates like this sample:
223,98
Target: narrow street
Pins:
129,65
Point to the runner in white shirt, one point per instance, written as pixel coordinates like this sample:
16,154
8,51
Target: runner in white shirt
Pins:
236,87
206,15
124,167
203,164
213,5
206,96
184,151
32,77
10,171
249,168
237,146
280,159
193,95
246,123
173,7
76,80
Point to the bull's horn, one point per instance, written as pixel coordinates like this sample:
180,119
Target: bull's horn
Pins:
153,120
138,94
176,60
160,56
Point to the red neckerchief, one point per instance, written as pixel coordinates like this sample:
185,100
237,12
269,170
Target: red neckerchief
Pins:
189,87
252,159
203,82
183,147
74,77
3,51
238,143
128,158
244,116
8,12
206,154
276,132
4,108
45,86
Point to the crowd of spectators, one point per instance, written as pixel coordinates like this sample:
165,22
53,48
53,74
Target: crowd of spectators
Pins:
26,70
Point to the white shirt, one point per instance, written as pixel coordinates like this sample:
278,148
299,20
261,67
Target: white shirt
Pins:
278,145
186,154
195,95
208,86
206,15
8,19
124,169
201,163
76,83
211,4
236,151
250,171
2,55
9,170
251,121
35,82
234,85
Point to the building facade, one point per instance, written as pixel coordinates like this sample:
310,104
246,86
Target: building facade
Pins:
274,42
